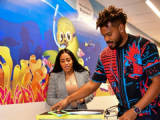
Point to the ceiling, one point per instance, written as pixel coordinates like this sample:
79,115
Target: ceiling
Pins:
139,15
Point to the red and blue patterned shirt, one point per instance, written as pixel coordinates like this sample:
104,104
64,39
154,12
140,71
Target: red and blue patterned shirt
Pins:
129,70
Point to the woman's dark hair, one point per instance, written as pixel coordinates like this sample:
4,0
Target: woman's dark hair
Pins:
113,15
76,66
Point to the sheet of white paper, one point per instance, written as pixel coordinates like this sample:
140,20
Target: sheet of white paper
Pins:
85,113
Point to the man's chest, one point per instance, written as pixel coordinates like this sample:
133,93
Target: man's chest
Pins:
124,64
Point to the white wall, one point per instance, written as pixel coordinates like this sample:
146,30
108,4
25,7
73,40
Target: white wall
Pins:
102,102
133,30
26,111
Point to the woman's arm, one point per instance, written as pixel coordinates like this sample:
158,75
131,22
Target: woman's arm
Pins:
51,94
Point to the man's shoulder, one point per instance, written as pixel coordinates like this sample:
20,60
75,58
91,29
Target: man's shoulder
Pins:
138,37
139,40
105,51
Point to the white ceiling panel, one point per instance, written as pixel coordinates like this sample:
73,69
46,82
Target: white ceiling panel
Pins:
144,18
117,3
137,9
156,3
156,36
152,31
149,25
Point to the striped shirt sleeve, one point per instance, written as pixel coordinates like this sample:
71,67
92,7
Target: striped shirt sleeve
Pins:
99,73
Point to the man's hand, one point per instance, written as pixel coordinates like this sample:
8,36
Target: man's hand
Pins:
129,115
80,100
60,105
82,92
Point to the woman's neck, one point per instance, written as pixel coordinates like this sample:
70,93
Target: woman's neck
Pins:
69,73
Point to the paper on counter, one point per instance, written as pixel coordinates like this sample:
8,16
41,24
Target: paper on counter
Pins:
84,113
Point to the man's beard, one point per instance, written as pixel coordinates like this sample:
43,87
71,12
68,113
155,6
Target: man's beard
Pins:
117,44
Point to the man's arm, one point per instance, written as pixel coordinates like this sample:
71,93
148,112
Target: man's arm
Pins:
151,93
90,97
151,66
148,97
83,92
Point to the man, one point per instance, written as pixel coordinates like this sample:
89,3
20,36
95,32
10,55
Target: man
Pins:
132,66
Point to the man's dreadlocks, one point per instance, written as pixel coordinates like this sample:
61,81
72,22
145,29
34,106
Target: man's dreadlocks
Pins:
113,15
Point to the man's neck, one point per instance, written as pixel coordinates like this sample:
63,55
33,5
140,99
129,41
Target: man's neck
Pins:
125,38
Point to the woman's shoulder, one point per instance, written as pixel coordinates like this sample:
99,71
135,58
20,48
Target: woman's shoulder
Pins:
55,73
83,72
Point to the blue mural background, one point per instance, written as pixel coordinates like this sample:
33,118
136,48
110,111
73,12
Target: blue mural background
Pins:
27,28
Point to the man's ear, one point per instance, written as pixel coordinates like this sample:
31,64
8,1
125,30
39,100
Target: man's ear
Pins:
121,28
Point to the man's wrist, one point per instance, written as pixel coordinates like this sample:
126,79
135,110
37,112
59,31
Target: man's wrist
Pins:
136,109
68,99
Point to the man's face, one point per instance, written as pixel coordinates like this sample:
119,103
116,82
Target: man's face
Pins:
112,36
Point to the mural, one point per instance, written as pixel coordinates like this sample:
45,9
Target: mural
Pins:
32,33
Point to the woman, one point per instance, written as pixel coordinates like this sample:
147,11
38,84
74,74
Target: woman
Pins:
67,77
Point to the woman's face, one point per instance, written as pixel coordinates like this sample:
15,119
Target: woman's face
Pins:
66,62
